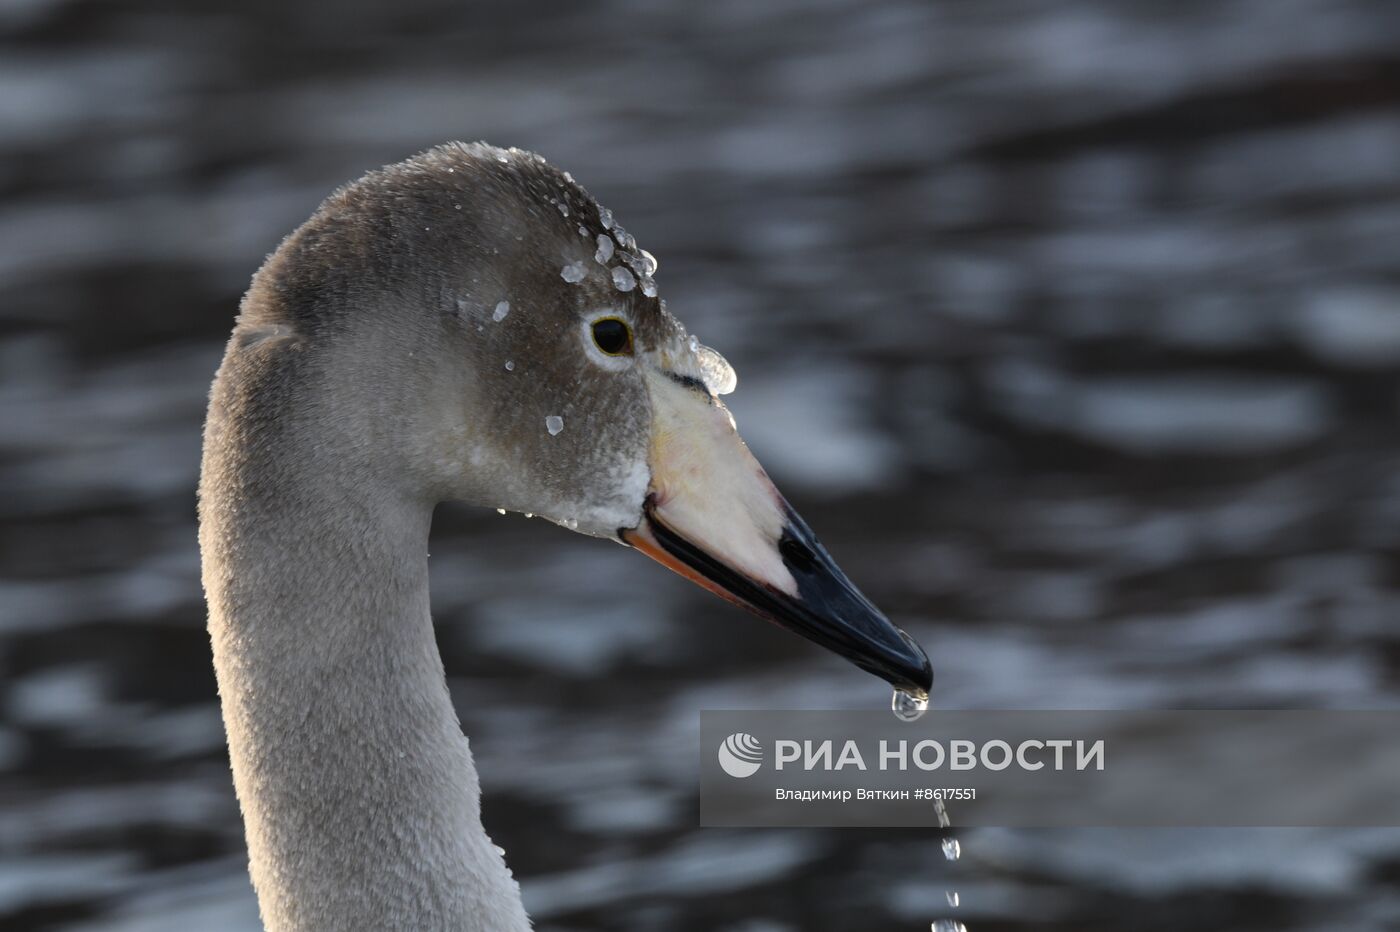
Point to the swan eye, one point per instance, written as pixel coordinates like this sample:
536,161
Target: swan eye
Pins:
613,336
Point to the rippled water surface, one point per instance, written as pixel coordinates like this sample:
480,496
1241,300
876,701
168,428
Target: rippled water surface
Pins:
1073,328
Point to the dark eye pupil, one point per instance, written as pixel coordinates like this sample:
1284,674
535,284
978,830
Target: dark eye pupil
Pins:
612,337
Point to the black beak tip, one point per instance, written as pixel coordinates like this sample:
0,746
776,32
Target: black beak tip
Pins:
837,615
917,675
826,608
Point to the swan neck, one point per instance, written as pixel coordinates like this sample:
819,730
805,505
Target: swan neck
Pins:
359,797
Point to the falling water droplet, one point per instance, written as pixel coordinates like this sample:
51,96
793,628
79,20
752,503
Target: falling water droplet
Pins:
954,899
951,849
908,706
948,925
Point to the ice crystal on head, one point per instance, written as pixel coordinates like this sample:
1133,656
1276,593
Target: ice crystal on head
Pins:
605,248
693,343
510,366
554,423
605,218
623,279
648,287
583,231
502,309
648,263
563,208
573,272
718,376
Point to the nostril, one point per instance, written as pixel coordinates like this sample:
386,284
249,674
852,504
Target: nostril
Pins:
796,554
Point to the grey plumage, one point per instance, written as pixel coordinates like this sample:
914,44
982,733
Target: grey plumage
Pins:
363,383
374,372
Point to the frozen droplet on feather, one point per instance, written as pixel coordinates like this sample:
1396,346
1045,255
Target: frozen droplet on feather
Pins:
554,423
502,309
717,374
573,272
605,248
623,280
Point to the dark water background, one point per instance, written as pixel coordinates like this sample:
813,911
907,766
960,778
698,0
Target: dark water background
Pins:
1074,328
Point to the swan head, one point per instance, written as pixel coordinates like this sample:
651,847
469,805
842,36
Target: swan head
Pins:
493,335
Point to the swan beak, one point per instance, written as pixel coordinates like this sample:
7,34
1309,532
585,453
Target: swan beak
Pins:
714,517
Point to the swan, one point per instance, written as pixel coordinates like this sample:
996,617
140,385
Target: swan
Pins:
469,325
